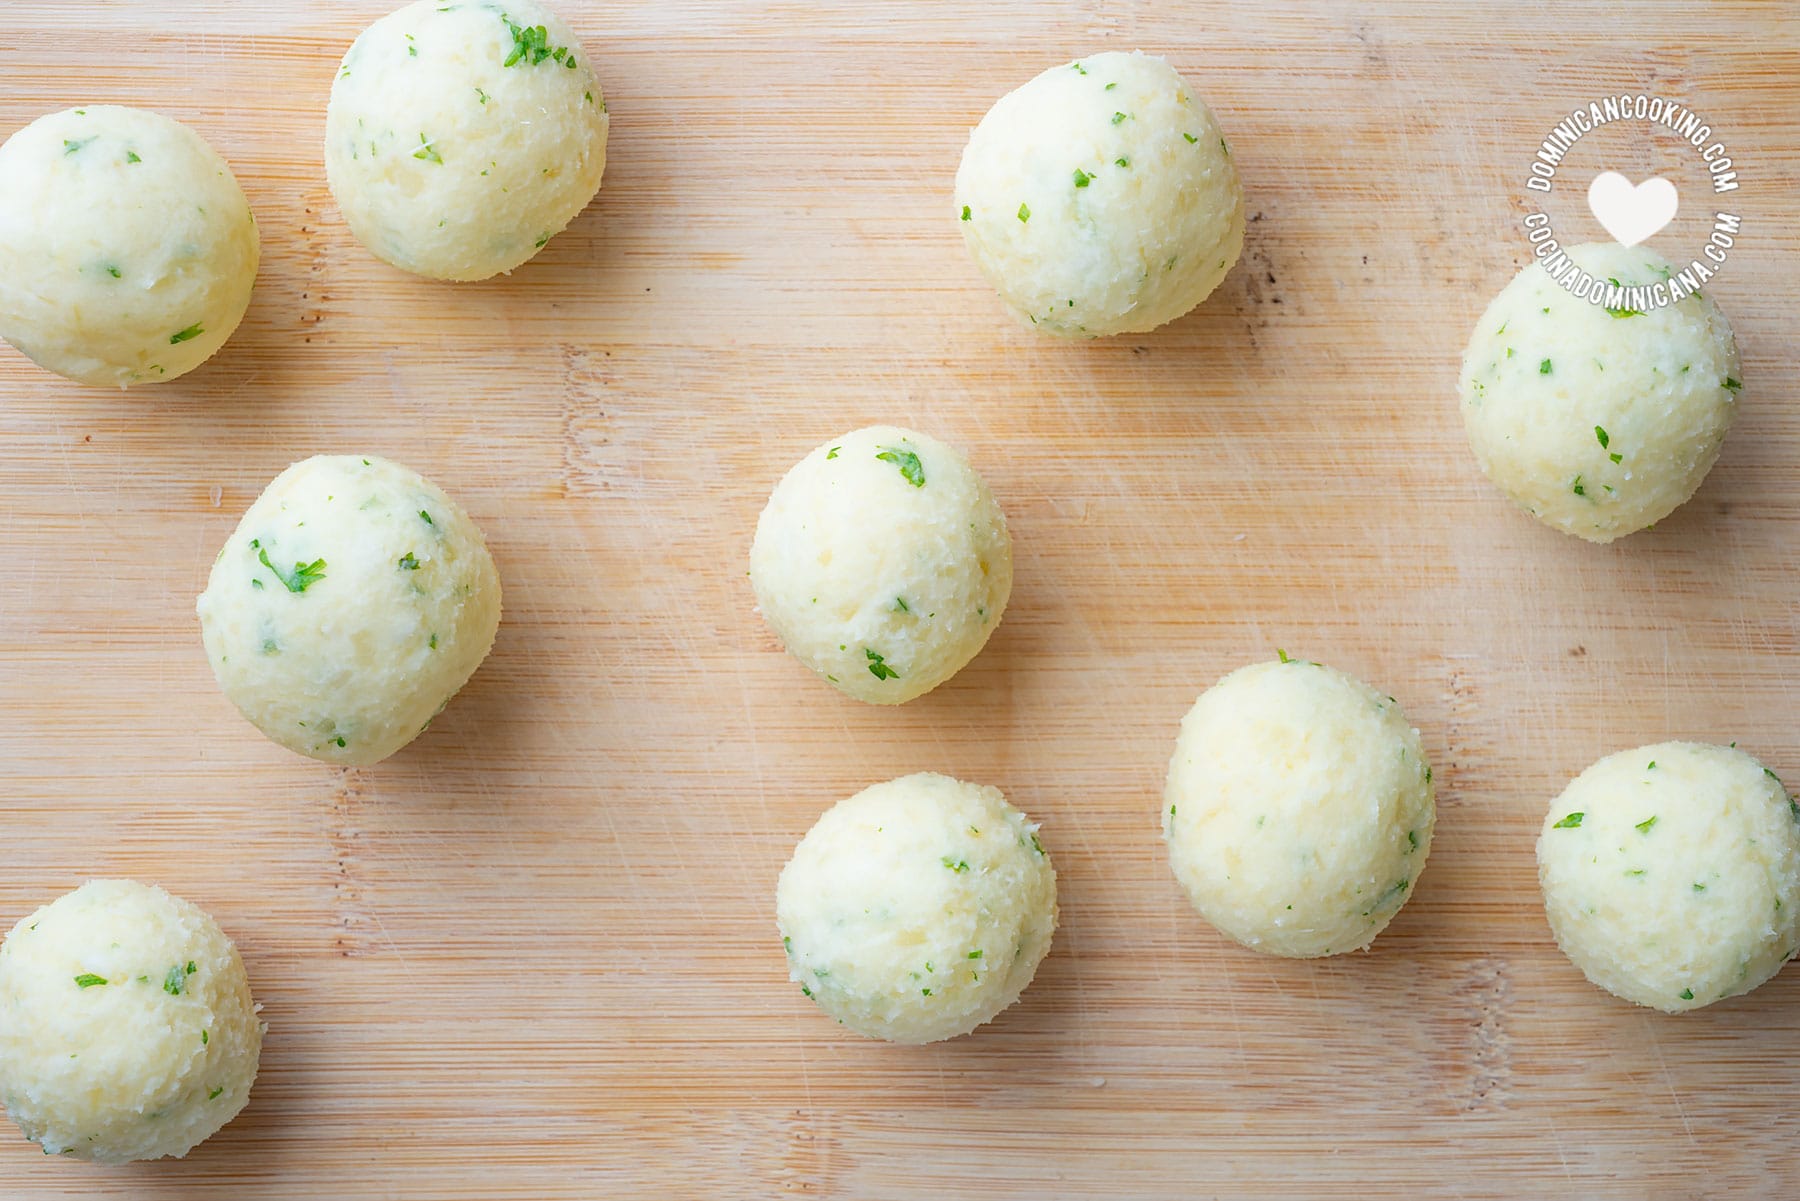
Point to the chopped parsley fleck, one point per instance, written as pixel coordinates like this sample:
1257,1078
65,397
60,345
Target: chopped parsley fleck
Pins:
175,983
482,96
409,562
965,215
1570,822
303,575
88,980
1734,385
427,151
542,240
1118,118
71,146
832,453
975,954
878,665
956,865
339,740
1035,844
131,156
214,1095
1024,211
531,45
1643,827
192,331
1109,87
1124,160
1283,654
112,271
433,643
1699,887
1602,437
900,605
1190,137
1412,840
1082,178
907,461
422,512
205,1038
1687,994
1544,367
1577,487
1079,68
925,992
1652,766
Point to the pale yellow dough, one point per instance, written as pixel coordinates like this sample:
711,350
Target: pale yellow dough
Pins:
917,909
1598,423
1299,809
127,1030
1101,197
462,137
353,600
883,563
127,249
1671,874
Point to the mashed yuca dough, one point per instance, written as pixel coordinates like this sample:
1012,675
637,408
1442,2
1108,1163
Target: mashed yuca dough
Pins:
1101,198
883,563
462,137
917,909
126,1026
1299,809
353,600
127,249
1671,874
1598,422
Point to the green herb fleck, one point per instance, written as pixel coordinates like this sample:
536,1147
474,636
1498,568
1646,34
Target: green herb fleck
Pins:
1024,211
409,562
483,96
1734,385
1190,137
70,147
175,983
832,453
427,151
1699,887
214,1095
303,575
911,469
531,45
131,156
965,213
1109,87
1120,117
956,865
433,643
1283,654
975,954
192,331
1544,367
542,240
1687,994
1652,766
205,1038
1412,840
1603,437
422,512
1082,178
900,605
1570,822
88,980
1122,161
112,271
1643,827
1079,68
1577,488
878,666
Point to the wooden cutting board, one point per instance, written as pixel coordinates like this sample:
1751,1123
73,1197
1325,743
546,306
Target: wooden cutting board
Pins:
533,956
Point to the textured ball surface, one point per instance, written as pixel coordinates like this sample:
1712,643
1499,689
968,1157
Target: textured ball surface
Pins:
127,249
127,1030
917,909
1598,422
1299,809
1101,197
1671,874
462,137
353,600
883,563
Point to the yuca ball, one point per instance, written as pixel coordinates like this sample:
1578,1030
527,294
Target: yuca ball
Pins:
1598,421
462,137
1671,874
1299,809
1101,197
127,1030
883,563
917,909
127,249
353,600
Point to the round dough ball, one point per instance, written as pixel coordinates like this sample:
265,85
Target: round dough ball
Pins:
461,138
126,1026
1598,422
1100,198
917,909
1299,809
1671,874
127,249
883,563
350,604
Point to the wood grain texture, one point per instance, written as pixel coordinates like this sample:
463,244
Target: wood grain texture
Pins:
533,955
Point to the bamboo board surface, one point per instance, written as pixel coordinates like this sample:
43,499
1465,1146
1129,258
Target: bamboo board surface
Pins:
533,955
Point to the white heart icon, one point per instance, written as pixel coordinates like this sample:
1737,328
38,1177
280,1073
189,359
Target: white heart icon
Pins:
1631,213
